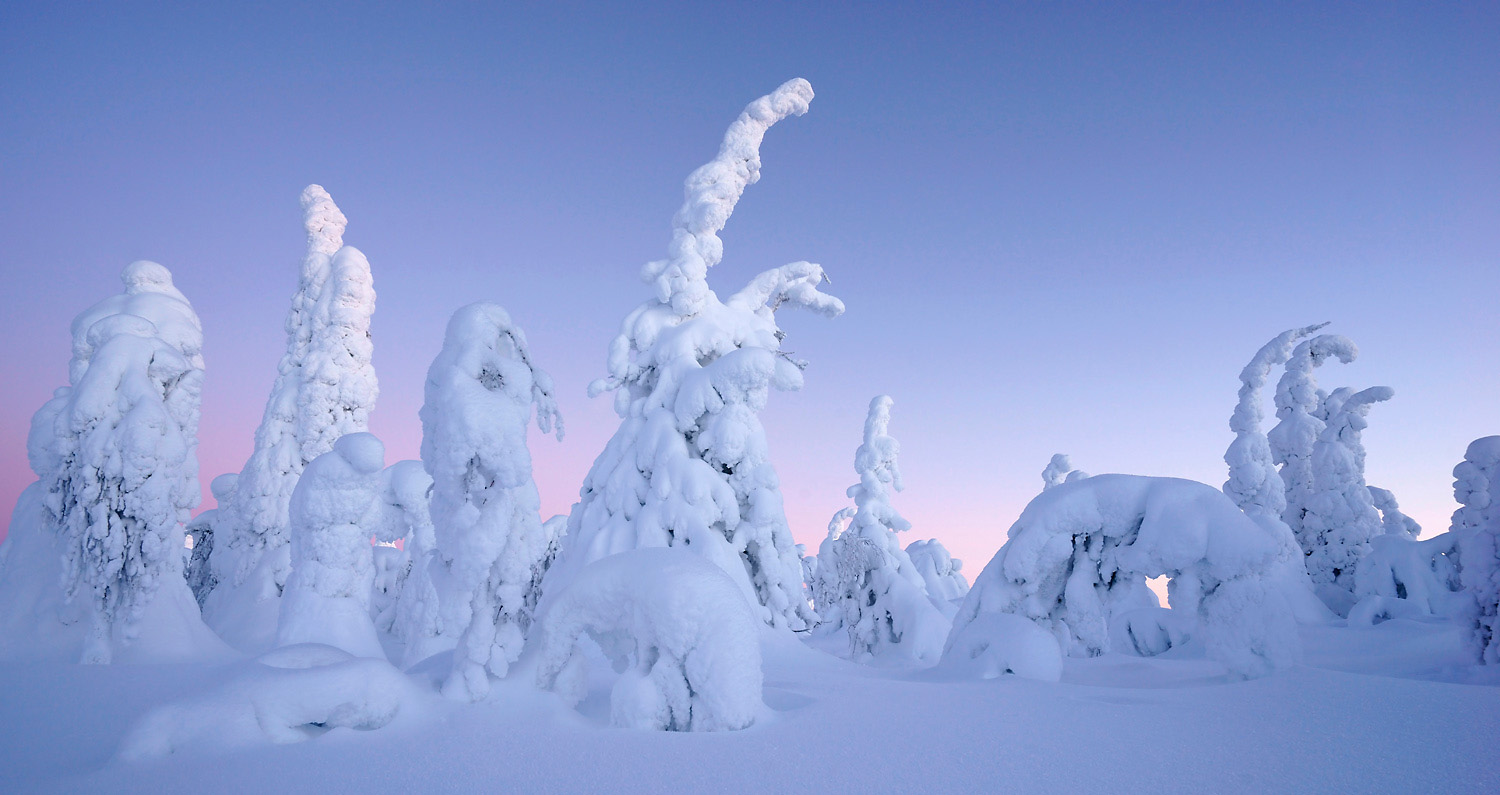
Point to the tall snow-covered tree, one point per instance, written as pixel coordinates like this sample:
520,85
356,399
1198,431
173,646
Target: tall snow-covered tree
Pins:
325,388
689,465
1476,486
1298,402
492,545
116,455
1254,483
878,590
1339,517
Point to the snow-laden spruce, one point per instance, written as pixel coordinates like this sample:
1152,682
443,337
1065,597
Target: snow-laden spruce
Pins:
1078,557
676,627
941,572
325,388
116,461
493,548
327,597
1254,484
1059,471
689,465
1339,517
879,594
1476,486
1298,406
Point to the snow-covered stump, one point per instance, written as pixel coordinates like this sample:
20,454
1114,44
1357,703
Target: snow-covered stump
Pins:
325,388
689,466
492,547
679,631
1080,553
327,598
1476,486
880,596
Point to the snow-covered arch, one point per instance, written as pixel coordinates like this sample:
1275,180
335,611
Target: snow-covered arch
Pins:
1081,552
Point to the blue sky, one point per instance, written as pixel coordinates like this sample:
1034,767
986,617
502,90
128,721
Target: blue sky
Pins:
1058,227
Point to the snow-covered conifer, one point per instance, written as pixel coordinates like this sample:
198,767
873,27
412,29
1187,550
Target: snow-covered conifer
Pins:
200,575
1298,402
941,572
1254,483
492,545
325,388
1391,518
1339,517
1476,486
327,598
689,465
878,590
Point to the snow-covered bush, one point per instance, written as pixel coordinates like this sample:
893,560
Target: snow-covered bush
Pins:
200,574
325,388
1149,631
1476,486
1298,403
492,546
1080,553
941,573
880,594
115,453
1059,471
1422,573
991,644
327,598
689,465
681,633
1339,516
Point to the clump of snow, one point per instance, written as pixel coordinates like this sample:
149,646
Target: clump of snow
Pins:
991,644
1059,471
1476,486
679,631
325,388
295,694
1080,553
492,547
689,466
880,595
327,598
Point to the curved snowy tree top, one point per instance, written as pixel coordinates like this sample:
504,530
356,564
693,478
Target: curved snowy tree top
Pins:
324,223
1350,409
150,295
485,352
1247,412
1296,389
876,459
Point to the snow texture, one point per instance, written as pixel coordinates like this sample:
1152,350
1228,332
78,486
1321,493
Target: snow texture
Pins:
492,546
678,630
1476,486
1080,553
689,464
327,597
1298,402
325,388
1339,516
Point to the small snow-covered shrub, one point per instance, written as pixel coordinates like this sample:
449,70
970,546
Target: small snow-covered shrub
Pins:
689,465
1149,631
327,597
1080,553
992,644
1476,486
677,628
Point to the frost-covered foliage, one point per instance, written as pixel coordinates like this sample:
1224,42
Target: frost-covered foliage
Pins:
1080,554
492,546
941,572
880,595
679,630
325,388
1339,516
290,695
1059,471
115,453
1298,404
1254,483
1391,518
327,598
1476,486
689,465
200,574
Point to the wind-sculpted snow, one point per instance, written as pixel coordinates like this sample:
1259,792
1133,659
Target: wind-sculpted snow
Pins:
1080,553
325,388
492,547
677,628
1254,483
689,465
872,589
1476,486
327,598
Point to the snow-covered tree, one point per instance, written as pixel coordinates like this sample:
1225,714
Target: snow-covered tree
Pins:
325,388
689,464
492,545
1391,518
403,524
327,598
200,575
1476,486
1059,471
941,572
1339,518
1254,483
1298,402
879,592
116,455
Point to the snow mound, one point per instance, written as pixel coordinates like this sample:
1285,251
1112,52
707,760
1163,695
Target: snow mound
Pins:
678,629
299,693
1149,631
1081,552
992,644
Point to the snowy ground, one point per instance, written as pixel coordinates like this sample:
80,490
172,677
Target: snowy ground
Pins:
1393,708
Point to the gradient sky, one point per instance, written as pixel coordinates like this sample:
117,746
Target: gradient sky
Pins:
1057,227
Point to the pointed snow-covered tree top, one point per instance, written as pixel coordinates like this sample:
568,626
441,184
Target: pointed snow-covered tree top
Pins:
1253,483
